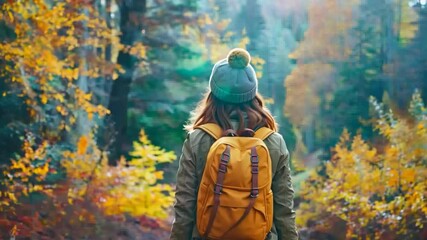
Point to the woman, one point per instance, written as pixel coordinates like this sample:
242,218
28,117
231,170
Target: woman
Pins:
232,102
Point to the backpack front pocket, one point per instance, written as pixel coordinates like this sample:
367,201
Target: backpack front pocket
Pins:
233,204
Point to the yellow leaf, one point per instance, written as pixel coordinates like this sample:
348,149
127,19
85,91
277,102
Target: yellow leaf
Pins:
9,13
59,97
12,197
43,98
159,175
61,110
115,76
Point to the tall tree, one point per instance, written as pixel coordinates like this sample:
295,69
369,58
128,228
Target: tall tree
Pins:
131,25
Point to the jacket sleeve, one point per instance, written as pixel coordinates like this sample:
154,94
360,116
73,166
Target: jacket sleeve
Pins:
185,195
283,192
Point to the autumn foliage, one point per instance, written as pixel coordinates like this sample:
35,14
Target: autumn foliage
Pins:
61,183
377,191
90,193
46,54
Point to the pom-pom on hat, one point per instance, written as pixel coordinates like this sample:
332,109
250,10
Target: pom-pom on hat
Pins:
233,79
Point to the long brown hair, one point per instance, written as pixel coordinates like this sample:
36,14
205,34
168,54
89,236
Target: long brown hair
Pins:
212,110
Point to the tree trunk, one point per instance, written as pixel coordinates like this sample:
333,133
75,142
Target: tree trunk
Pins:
131,12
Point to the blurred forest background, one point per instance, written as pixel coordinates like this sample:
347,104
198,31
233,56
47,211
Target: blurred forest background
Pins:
94,95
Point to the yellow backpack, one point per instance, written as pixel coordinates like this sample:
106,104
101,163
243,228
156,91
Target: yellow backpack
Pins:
235,200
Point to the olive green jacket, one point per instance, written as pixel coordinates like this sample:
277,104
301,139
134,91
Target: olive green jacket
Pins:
191,166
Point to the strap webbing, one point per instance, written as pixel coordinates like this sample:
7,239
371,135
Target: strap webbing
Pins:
216,131
225,158
254,166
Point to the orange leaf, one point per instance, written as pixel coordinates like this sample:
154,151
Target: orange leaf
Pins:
82,145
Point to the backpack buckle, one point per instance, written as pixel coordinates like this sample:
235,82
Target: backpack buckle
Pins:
254,193
255,169
229,133
218,189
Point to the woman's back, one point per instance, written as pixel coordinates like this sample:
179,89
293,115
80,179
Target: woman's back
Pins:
233,102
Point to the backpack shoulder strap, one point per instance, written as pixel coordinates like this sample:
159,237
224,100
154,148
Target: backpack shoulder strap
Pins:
263,133
212,129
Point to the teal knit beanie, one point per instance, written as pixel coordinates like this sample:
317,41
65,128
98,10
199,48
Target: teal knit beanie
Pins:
233,79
